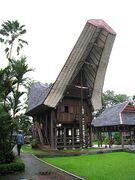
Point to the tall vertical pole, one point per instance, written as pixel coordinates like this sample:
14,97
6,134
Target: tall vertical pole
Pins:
122,139
52,129
82,115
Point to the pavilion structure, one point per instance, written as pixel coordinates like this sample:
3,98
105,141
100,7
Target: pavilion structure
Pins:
62,112
118,118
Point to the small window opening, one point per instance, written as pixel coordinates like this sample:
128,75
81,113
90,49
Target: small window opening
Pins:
66,109
69,132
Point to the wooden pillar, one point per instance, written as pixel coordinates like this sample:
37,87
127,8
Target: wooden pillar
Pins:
122,140
52,129
46,125
134,137
110,139
130,137
65,144
46,130
90,138
98,138
101,138
73,138
56,137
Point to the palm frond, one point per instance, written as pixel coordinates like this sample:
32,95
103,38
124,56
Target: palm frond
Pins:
18,49
1,40
22,41
3,32
6,50
23,31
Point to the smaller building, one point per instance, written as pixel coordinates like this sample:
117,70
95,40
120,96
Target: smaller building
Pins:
118,118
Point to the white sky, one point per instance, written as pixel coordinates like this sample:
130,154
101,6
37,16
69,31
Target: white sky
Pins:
53,27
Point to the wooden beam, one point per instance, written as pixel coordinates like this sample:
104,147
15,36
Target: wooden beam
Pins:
90,137
101,138
56,140
110,139
73,138
65,143
122,140
52,129
98,138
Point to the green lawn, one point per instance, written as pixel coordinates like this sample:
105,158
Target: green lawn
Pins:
79,150
27,149
107,166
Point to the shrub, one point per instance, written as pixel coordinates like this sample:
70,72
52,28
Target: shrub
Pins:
116,138
6,158
6,140
12,167
127,142
34,143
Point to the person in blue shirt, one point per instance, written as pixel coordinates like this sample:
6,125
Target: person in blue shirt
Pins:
19,142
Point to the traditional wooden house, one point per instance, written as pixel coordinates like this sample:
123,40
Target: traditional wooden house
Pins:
118,118
62,113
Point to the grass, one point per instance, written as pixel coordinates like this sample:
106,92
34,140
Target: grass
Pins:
107,166
27,149
79,150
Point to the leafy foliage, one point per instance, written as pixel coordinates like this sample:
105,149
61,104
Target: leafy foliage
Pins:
6,124
10,32
13,84
109,98
18,165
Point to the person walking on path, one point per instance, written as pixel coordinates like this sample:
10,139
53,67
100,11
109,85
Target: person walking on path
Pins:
19,142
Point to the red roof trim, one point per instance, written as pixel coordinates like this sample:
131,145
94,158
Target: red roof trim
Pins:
102,24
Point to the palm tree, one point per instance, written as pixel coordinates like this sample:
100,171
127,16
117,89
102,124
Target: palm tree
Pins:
6,84
11,31
19,69
12,79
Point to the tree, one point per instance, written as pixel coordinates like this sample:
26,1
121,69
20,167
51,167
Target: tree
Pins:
109,98
13,81
10,32
6,124
19,68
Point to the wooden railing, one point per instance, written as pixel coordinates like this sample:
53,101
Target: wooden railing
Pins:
68,117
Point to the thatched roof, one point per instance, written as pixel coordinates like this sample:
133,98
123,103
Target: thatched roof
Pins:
90,55
91,52
38,93
122,113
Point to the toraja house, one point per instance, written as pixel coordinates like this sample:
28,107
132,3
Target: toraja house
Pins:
62,113
118,118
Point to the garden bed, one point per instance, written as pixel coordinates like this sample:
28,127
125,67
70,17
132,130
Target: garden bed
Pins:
16,166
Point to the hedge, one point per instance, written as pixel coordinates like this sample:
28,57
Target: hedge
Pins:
18,165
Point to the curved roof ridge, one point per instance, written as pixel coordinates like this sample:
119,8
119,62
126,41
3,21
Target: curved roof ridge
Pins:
95,38
102,24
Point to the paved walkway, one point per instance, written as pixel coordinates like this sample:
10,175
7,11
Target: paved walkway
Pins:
37,170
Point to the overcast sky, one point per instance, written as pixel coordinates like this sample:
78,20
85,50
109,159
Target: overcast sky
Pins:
53,27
